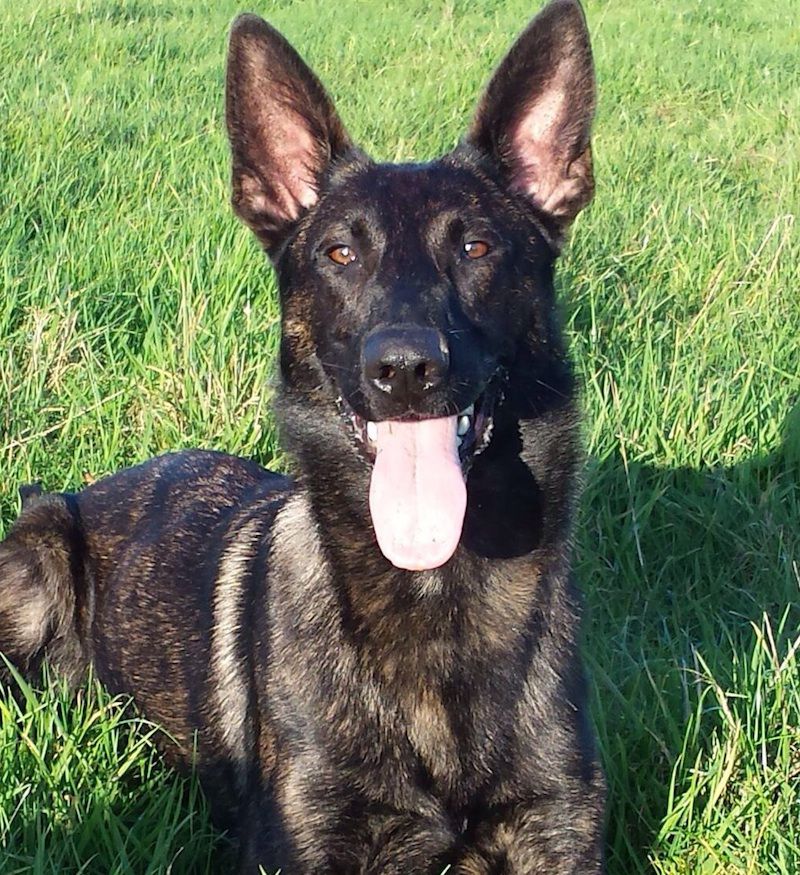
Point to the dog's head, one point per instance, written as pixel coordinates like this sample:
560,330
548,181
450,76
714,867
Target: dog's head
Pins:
410,292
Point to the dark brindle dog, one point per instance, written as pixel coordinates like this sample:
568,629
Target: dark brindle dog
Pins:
376,661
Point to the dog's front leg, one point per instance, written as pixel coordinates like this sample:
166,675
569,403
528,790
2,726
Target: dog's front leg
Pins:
557,836
263,847
405,843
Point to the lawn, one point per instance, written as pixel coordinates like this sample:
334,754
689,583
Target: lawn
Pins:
137,316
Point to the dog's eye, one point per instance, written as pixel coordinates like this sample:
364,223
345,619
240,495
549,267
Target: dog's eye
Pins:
342,255
476,249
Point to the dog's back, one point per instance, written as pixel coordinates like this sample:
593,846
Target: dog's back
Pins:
110,562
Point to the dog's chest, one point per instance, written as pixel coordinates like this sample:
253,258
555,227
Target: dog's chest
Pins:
442,720
450,732
431,733
417,682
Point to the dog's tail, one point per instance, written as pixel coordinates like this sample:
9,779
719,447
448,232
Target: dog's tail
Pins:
43,587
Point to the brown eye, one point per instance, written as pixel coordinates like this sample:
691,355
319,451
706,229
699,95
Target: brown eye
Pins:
476,249
342,255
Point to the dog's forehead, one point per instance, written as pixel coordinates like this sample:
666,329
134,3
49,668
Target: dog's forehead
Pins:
413,198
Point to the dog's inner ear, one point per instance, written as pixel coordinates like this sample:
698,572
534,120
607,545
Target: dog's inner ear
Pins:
535,116
283,130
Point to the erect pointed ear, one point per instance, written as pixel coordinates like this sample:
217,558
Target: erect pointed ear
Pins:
282,127
536,114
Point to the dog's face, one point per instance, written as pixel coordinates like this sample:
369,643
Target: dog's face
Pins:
409,290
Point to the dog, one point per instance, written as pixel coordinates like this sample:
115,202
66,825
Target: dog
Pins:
373,666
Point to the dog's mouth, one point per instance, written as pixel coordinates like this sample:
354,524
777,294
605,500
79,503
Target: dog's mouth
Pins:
418,493
473,429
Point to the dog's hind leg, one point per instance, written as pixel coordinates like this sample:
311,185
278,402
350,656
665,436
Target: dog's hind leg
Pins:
44,588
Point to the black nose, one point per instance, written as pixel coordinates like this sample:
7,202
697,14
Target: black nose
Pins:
405,361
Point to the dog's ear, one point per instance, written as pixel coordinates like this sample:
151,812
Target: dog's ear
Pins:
283,130
536,114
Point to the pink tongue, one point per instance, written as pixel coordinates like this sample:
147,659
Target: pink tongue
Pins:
417,496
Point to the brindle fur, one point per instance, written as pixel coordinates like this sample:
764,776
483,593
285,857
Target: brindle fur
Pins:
346,716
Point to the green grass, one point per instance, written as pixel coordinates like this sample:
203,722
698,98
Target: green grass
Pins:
137,316
83,790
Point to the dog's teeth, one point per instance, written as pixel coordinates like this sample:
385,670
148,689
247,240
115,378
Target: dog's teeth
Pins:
463,424
372,431
486,436
468,411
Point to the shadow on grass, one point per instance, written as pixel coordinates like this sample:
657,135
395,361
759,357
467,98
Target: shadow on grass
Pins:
677,566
